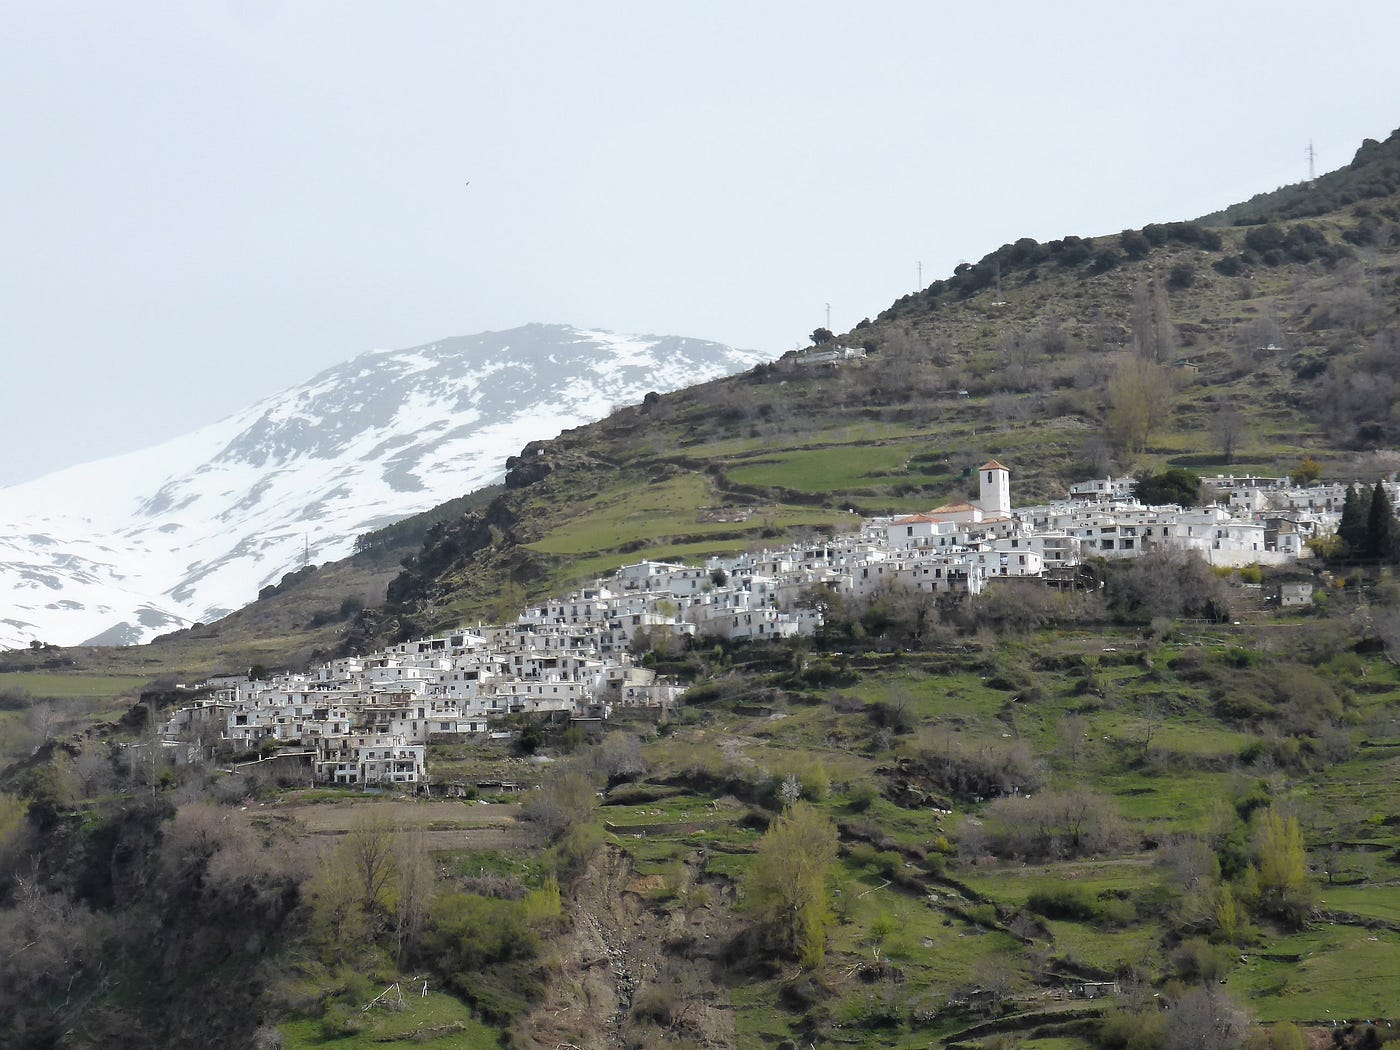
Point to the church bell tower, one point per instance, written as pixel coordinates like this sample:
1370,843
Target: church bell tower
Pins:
995,497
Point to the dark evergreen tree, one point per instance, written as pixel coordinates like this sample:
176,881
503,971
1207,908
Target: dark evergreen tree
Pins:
1176,485
1351,530
1382,533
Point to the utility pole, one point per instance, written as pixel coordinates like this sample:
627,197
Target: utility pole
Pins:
920,288
1312,167
828,317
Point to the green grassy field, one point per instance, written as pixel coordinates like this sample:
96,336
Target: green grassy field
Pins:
1344,974
821,470
437,1021
61,685
1371,902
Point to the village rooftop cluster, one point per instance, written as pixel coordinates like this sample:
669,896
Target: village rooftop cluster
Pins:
368,720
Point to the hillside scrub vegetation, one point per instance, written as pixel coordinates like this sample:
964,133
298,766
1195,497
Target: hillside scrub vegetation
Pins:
941,820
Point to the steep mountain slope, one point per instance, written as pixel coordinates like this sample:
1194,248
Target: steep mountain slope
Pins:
122,549
1264,345
1275,342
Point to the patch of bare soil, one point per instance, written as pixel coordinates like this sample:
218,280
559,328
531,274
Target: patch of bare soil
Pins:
636,970
445,825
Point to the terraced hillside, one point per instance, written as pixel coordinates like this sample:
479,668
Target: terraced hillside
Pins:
1139,774
1034,819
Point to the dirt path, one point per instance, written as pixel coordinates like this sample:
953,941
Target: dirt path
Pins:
634,971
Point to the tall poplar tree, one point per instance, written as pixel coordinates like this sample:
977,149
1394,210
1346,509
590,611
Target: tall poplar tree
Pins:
787,883
1282,866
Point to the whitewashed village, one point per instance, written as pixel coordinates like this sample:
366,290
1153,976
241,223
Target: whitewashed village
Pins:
367,721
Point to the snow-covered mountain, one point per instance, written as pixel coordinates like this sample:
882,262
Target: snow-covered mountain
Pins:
119,550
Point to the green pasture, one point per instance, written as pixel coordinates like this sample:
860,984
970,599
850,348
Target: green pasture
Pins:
619,515
527,866
652,855
643,518
729,864
1175,801
758,1019
1342,973
839,468
1013,884
960,700
1106,950
1369,902
680,809
1189,735
841,433
1365,787
437,1021
67,685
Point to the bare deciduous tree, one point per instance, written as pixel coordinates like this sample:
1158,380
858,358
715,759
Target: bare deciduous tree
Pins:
336,915
44,718
566,799
49,942
1386,624
1139,398
1154,334
1206,1018
415,887
979,770
93,767
619,756
1054,824
997,976
1168,582
369,853
1073,737
1227,426
1096,455
1189,861
1020,606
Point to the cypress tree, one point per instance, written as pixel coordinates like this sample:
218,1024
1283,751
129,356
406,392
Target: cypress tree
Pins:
1351,530
1382,534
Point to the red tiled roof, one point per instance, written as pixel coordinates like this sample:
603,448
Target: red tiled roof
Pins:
992,464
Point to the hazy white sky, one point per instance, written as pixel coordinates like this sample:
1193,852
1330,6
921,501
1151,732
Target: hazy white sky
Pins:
202,203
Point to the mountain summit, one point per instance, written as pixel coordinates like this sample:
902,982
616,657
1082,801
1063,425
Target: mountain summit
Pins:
118,550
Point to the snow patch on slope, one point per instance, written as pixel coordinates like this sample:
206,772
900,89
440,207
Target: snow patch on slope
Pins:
128,547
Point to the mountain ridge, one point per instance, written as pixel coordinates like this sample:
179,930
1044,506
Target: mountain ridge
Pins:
122,548
1276,343
1374,171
